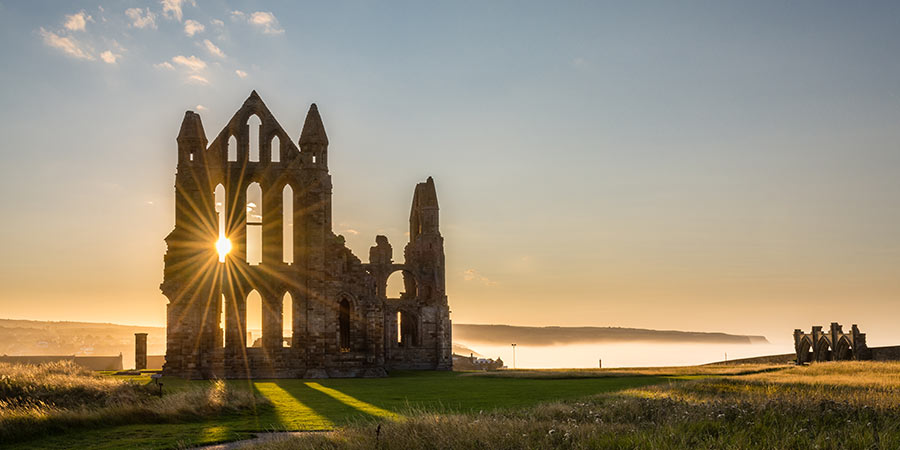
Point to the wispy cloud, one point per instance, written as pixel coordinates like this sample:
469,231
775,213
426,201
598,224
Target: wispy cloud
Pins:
262,20
351,231
77,21
192,67
201,108
197,79
473,275
172,8
240,73
109,57
191,63
68,45
141,18
192,27
266,21
212,49
217,22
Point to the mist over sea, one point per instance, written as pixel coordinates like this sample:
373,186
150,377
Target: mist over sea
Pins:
642,354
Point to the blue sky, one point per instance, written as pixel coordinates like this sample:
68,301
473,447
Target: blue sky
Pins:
699,165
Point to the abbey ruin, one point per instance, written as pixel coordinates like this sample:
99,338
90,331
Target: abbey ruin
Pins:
831,345
254,218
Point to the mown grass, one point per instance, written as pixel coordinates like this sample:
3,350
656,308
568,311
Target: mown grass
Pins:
61,396
308,405
849,405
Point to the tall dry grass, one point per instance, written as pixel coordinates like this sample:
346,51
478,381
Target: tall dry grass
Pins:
53,397
825,406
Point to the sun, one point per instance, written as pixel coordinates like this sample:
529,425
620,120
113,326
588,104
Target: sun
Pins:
223,246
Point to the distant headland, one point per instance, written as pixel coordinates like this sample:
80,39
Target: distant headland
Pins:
505,334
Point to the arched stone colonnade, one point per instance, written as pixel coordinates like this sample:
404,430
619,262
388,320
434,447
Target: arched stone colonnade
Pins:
830,345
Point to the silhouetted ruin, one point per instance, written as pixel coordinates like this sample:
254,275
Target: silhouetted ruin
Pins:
140,351
342,322
832,345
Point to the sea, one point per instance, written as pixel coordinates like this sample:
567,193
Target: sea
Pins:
623,354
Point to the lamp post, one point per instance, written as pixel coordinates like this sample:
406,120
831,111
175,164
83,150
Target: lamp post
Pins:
514,355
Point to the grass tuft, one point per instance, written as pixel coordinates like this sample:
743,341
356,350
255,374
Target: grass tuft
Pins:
61,396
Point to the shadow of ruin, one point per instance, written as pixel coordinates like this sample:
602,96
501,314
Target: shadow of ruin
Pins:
277,196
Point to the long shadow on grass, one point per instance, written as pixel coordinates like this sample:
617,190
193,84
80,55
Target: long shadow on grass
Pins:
266,418
333,410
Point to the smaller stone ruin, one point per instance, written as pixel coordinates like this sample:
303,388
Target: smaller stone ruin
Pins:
831,345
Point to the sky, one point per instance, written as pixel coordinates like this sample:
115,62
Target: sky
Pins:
703,166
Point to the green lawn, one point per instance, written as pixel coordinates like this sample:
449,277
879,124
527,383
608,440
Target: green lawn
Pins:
303,405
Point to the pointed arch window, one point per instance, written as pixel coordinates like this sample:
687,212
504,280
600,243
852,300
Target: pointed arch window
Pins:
287,314
232,148
254,319
219,196
222,309
275,149
408,325
254,124
287,224
254,221
344,325
219,205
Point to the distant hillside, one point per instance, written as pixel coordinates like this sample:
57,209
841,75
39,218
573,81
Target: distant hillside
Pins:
506,334
64,324
36,337
459,349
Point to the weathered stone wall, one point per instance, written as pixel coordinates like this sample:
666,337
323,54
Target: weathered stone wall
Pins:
886,353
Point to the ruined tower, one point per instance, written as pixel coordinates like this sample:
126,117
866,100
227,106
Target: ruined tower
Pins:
269,235
417,325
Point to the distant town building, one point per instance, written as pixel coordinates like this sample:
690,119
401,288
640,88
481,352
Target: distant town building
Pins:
472,362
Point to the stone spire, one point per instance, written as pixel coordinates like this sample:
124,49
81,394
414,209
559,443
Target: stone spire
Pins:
191,128
423,216
429,194
313,129
191,138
